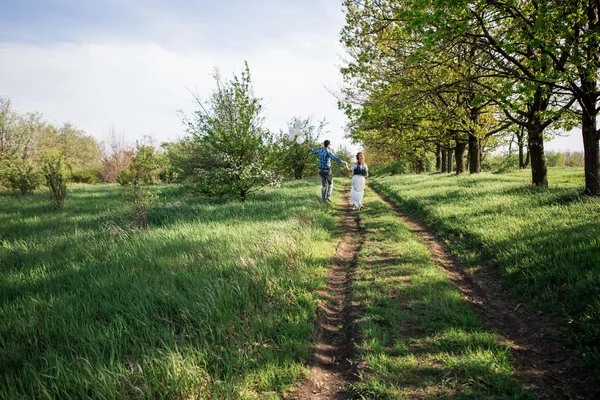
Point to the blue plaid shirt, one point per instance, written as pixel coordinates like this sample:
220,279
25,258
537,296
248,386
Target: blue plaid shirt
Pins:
325,157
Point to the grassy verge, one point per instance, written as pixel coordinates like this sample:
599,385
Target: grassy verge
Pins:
215,301
545,242
420,338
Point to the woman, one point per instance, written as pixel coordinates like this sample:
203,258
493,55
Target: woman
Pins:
359,172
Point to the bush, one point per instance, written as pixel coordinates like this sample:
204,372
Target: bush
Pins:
57,174
574,159
511,162
87,175
20,175
392,168
492,162
555,158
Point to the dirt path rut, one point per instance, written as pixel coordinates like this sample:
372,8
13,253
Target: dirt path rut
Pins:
552,367
331,367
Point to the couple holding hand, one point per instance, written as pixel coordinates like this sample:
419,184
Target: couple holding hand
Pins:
359,172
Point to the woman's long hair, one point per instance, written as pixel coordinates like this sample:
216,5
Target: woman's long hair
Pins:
360,153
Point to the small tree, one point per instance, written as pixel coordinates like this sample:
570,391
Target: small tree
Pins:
136,180
233,144
140,198
57,173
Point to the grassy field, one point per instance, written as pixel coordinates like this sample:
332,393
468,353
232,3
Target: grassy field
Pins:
216,299
420,338
545,242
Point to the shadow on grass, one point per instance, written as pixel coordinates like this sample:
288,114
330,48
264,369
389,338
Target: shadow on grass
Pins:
217,297
549,258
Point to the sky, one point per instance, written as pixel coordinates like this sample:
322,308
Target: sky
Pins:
131,64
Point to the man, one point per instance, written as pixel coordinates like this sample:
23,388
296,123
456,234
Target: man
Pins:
325,157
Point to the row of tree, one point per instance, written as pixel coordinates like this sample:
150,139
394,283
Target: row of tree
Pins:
227,151
446,76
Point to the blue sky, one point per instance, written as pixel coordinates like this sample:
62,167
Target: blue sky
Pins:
130,64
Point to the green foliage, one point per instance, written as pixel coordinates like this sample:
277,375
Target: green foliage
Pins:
57,174
86,175
166,171
17,174
508,163
423,73
343,154
555,158
136,180
80,151
574,159
544,242
143,168
183,159
233,144
216,302
392,168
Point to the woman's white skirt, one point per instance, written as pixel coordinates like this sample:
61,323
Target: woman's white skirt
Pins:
358,190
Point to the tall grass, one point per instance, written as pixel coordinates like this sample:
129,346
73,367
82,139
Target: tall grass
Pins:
420,337
545,242
214,301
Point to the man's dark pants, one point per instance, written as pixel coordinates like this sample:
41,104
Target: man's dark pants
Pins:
326,182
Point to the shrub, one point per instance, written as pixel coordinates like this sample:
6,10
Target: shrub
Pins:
20,175
87,175
140,199
555,158
574,159
57,174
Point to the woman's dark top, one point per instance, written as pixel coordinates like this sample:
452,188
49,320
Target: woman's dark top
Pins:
360,169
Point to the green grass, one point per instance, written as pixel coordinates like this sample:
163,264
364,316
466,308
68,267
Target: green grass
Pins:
545,242
420,338
215,301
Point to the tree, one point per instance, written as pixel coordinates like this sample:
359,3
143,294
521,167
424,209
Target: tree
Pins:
116,157
473,67
234,146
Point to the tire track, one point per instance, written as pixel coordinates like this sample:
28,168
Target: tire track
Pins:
331,368
540,358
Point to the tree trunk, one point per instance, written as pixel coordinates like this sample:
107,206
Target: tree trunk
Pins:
590,140
521,145
438,158
474,155
459,153
444,165
539,171
449,169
